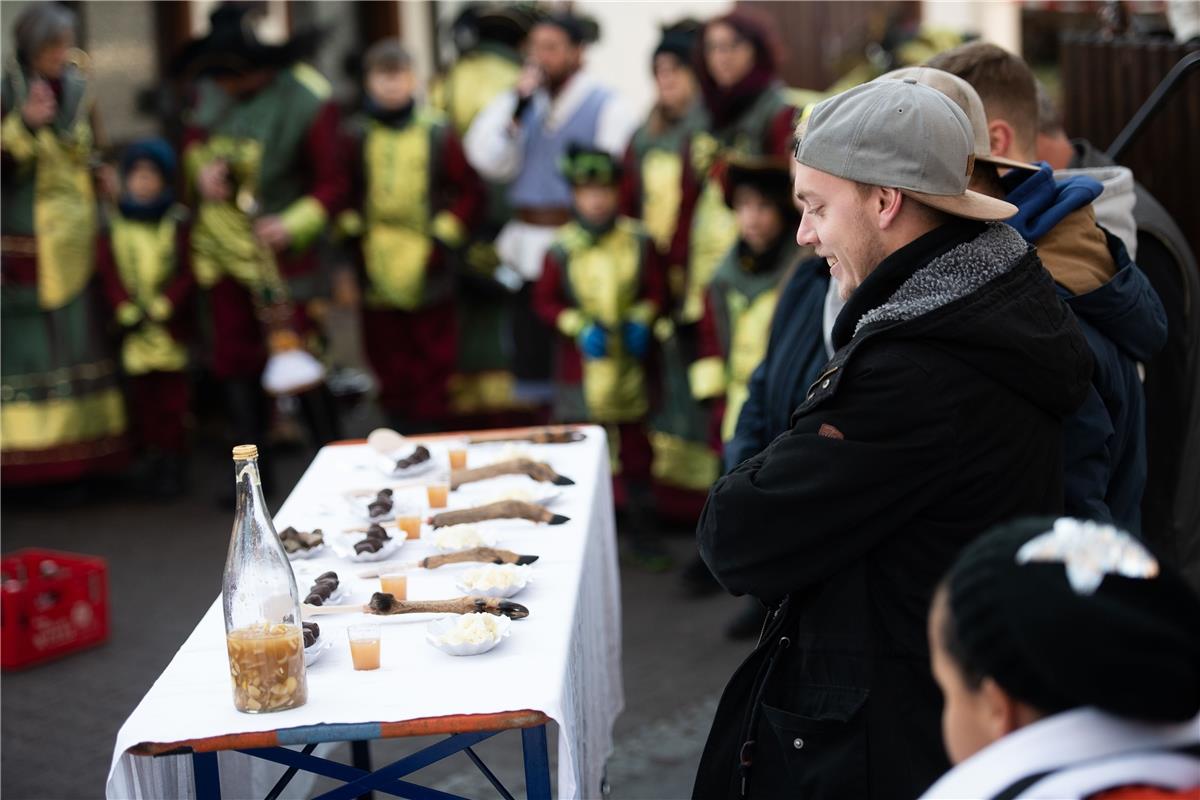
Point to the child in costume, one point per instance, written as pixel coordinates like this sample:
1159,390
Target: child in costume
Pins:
601,288
1069,660
416,199
143,264
740,299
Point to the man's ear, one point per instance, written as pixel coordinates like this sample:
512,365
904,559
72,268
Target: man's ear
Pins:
1001,137
888,202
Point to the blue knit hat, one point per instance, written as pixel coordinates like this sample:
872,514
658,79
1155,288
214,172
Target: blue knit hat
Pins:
154,150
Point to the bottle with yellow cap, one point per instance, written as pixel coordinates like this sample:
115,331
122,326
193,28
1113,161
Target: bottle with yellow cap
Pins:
261,603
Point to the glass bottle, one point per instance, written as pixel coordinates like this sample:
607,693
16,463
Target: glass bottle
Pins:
262,606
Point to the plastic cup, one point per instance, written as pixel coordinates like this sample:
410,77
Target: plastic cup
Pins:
364,645
410,524
395,585
458,457
438,493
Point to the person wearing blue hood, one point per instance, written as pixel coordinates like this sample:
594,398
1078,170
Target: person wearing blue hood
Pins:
1119,311
147,280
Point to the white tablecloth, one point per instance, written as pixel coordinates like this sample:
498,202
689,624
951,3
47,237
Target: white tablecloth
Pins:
563,660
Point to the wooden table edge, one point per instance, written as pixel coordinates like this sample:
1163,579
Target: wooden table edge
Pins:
341,732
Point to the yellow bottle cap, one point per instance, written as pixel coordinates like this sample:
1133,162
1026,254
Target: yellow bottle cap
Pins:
245,451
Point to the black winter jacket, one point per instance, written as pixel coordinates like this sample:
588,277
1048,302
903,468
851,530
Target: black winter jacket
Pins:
938,416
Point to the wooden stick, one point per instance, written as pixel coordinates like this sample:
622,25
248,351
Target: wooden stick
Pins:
307,611
483,555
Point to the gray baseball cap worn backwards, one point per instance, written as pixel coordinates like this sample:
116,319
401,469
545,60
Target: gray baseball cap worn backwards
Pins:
903,135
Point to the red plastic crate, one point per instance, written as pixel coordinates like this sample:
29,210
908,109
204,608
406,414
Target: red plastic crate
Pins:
51,603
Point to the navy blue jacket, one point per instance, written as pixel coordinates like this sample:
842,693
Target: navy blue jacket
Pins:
795,356
1105,441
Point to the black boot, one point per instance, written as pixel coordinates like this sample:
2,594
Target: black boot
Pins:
166,478
644,545
320,415
698,580
246,407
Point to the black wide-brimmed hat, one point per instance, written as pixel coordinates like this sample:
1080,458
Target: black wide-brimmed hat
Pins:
679,39
231,47
505,23
767,175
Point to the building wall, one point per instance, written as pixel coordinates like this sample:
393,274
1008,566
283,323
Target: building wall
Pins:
996,21
629,32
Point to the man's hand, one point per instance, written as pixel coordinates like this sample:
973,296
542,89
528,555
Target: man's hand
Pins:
271,231
530,80
41,105
109,182
213,181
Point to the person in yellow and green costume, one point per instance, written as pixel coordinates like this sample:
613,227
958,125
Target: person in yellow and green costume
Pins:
62,416
263,161
740,301
684,465
739,308
488,38
143,266
415,199
601,288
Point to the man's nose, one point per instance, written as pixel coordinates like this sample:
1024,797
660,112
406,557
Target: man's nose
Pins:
805,235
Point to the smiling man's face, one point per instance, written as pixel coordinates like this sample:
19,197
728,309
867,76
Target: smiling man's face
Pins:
838,222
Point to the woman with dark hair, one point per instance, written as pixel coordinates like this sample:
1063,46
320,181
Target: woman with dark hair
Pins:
62,415
1069,663
748,116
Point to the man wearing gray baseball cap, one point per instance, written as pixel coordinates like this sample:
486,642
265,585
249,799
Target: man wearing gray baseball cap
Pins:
938,416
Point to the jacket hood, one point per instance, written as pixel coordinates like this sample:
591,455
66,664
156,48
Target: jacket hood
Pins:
1126,309
1114,206
989,302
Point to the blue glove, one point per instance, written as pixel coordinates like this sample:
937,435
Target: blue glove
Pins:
593,341
636,337
1042,201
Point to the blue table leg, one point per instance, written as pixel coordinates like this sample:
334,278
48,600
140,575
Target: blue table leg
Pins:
360,758
207,776
537,763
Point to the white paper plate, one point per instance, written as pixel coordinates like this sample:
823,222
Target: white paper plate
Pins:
505,487
387,465
486,539
441,626
357,503
337,594
312,552
522,573
311,654
389,547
